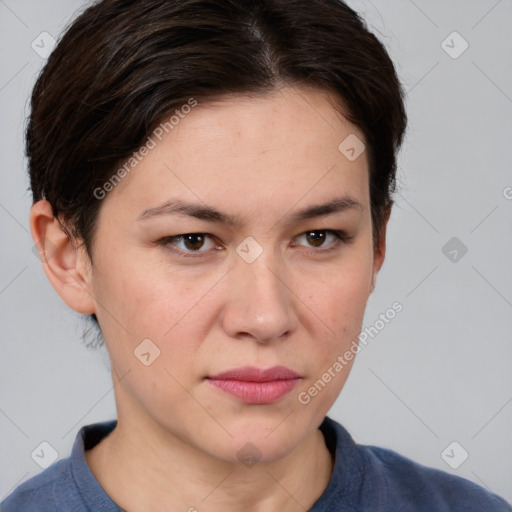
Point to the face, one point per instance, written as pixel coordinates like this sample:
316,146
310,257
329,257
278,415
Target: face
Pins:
253,285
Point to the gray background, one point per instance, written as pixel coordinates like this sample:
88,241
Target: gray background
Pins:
439,372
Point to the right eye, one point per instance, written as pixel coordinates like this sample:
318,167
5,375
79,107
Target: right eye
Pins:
190,243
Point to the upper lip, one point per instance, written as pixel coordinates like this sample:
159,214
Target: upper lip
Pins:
253,374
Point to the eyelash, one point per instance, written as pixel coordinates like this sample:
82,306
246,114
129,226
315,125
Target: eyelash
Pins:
341,237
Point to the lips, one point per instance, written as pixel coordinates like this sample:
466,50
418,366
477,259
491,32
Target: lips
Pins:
252,374
256,386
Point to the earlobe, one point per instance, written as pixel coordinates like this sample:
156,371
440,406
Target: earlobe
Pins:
66,265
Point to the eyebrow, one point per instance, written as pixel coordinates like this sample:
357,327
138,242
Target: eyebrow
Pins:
210,214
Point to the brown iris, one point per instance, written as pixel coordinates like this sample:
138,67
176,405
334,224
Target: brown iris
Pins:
193,241
317,239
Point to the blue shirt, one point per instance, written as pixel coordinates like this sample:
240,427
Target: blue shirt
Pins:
364,479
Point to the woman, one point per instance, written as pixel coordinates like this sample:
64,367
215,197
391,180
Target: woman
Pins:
212,183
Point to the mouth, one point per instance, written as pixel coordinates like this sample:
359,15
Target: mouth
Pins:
256,386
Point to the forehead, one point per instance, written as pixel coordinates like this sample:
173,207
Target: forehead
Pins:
251,151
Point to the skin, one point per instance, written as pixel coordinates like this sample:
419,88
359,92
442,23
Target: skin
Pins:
260,159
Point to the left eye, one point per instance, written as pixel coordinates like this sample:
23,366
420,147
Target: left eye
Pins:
317,237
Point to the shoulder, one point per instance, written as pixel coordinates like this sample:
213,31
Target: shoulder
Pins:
38,493
378,479
67,484
418,487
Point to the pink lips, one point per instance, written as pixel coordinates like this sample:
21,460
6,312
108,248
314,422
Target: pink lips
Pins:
256,386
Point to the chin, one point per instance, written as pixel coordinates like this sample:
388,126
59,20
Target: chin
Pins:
248,451
268,439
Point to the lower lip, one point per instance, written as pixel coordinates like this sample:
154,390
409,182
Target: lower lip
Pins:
256,392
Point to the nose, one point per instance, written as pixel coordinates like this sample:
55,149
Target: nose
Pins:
261,304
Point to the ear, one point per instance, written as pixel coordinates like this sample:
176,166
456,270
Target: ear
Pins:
65,263
380,249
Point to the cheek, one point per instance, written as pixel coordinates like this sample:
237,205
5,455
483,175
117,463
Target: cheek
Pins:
172,309
340,303
145,299
339,294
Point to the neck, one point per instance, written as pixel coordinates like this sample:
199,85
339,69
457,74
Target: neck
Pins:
142,467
